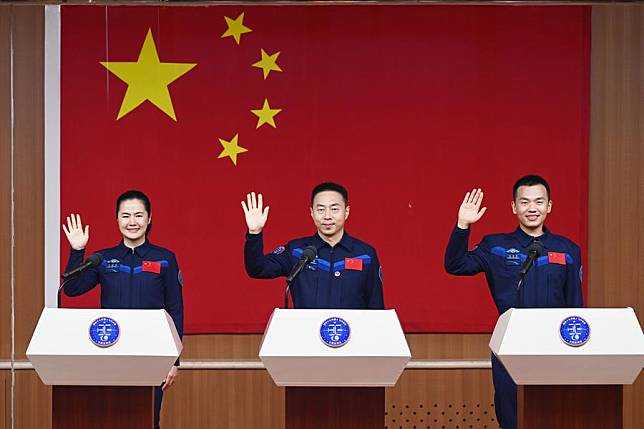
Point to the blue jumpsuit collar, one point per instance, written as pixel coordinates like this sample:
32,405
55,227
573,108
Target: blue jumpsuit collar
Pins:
526,239
346,241
141,250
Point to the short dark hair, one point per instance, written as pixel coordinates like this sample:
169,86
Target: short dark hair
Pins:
330,186
530,180
136,195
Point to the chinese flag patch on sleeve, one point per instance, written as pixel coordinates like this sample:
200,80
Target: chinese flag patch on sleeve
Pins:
353,264
151,267
556,258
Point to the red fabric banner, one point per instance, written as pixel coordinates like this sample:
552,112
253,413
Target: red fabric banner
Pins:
408,106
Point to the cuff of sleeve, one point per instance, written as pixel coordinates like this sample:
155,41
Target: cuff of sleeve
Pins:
459,230
251,237
177,362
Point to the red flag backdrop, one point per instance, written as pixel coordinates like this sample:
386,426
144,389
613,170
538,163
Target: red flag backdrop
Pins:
408,106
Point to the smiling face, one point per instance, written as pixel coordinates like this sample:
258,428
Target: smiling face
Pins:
329,213
532,205
133,221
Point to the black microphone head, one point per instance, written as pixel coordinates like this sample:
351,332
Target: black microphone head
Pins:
537,247
95,259
309,253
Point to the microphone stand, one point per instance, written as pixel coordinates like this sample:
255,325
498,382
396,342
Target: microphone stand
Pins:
519,290
288,288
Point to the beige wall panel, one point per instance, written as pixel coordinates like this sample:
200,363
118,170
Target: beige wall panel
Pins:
221,346
5,182
5,398
616,200
244,399
441,399
235,399
28,171
423,346
33,402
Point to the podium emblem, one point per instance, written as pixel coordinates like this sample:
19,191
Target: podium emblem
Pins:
335,332
104,332
574,331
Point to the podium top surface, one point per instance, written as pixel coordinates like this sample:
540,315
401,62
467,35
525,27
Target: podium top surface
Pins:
612,331
65,331
296,332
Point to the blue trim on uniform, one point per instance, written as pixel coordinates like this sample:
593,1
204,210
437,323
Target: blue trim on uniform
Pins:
136,270
542,260
498,251
139,269
325,265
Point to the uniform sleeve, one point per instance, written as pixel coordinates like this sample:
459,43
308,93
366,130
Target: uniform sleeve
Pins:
374,279
173,299
458,260
83,282
260,266
572,290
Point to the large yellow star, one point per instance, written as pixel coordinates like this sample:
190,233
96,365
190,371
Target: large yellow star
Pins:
266,115
268,63
236,28
147,79
231,149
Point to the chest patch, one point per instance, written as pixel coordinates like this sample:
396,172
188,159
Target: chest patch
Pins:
557,258
353,264
151,267
113,265
512,257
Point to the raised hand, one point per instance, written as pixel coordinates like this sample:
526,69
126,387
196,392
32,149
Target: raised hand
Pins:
256,215
470,210
74,231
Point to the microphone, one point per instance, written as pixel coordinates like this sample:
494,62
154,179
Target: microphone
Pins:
534,251
92,261
308,255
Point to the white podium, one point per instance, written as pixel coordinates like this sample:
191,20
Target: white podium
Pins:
334,385
570,386
102,385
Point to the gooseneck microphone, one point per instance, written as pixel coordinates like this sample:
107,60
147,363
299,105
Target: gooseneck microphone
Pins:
534,251
308,255
92,261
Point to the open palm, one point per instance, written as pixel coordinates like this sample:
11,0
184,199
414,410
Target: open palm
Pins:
76,236
256,215
470,210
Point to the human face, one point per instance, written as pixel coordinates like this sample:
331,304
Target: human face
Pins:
133,221
531,207
329,213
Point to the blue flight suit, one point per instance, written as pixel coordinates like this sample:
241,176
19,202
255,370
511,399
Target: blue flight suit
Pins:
347,275
129,279
554,281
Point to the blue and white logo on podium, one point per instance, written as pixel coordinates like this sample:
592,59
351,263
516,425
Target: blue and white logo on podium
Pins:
574,331
335,332
104,331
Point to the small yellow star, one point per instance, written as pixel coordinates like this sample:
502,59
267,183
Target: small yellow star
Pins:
147,79
266,115
268,63
236,27
231,149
